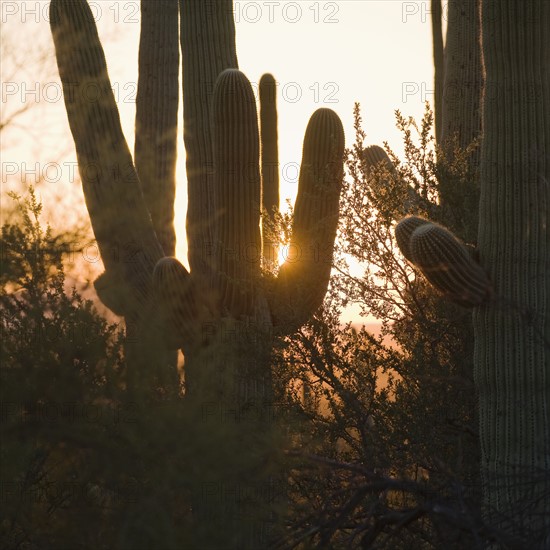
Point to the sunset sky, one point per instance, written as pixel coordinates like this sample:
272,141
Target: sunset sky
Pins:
323,54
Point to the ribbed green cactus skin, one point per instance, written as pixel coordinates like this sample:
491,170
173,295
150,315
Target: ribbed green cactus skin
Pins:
439,62
236,197
512,357
156,112
403,232
122,225
207,34
461,101
448,266
270,163
303,278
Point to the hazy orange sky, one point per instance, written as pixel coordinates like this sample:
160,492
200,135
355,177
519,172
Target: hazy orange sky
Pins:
322,53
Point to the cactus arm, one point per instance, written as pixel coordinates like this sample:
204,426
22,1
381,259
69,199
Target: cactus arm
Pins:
458,86
208,47
439,63
120,220
270,165
157,113
380,172
111,293
236,150
302,281
404,231
448,265
512,352
373,155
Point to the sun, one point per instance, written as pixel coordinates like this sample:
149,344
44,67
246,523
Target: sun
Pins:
282,255
288,252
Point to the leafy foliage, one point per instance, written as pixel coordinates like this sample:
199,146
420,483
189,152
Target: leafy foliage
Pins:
389,421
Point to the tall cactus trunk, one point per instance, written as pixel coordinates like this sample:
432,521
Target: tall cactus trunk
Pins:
119,214
439,63
459,118
155,154
270,166
208,47
462,84
512,357
157,113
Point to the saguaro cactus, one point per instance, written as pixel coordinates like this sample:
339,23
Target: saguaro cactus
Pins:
403,232
270,164
303,278
121,220
512,329
207,40
374,160
156,109
457,104
512,361
223,175
460,105
439,62
222,314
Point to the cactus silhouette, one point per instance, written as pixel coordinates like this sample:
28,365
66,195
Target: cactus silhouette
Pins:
131,205
375,160
458,84
510,313
223,313
374,154
458,90
270,164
